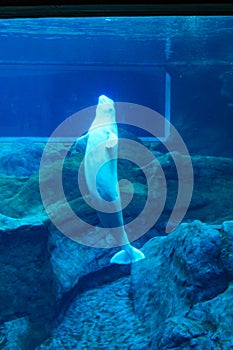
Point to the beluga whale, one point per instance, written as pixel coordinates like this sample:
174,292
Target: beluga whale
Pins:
100,170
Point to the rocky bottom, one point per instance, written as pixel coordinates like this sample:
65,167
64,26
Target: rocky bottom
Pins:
179,297
102,318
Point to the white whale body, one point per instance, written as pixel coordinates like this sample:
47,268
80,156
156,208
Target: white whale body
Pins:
100,168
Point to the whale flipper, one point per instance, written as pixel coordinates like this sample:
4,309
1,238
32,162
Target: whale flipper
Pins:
112,140
81,143
123,257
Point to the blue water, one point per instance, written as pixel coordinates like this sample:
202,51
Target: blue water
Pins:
64,293
51,68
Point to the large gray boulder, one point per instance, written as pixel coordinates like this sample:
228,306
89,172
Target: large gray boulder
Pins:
183,289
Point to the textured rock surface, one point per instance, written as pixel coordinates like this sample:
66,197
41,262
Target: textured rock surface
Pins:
27,286
71,260
211,201
13,334
9,224
20,158
102,318
183,289
179,297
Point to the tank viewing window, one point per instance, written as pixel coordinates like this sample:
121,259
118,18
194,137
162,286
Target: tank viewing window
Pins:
50,68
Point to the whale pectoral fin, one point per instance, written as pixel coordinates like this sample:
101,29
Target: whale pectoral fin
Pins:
112,140
81,143
123,257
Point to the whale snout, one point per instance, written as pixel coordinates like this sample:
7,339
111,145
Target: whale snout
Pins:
105,107
104,100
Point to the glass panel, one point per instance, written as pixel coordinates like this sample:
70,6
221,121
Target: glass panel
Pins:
51,68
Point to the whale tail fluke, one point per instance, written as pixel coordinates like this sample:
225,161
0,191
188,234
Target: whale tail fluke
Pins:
124,257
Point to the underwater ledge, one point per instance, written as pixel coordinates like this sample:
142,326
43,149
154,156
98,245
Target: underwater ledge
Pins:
57,293
179,297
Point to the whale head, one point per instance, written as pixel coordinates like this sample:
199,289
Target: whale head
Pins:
104,100
105,108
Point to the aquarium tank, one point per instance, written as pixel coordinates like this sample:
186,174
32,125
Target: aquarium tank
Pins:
116,171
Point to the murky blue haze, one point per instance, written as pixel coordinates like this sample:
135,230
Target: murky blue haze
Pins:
60,285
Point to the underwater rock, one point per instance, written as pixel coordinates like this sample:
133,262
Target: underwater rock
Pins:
19,334
213,190
190,267
27,286
20,196
179,333
10,225
188,258
179,297
71,260
182,289
20,158
215,315
102,318
227,248
212,166
14,334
